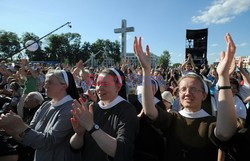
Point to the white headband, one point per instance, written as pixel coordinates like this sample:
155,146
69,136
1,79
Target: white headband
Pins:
204,83
117,74
65,76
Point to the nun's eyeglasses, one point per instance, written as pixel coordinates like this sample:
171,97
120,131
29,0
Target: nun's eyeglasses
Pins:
192,90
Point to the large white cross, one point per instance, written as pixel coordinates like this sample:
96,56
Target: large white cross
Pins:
123,30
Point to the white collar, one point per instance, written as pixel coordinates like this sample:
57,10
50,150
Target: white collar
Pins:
62,101
117,100
198,114
139,97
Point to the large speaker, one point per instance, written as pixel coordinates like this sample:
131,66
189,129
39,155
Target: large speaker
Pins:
196,45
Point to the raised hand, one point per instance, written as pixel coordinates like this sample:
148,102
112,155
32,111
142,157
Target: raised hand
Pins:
240,63
79,64
189,56
226,57
83,115
144,58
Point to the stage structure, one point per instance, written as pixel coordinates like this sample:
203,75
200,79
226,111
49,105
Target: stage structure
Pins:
196,45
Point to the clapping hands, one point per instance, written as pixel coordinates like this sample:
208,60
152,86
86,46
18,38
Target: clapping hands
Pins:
82,119
12,123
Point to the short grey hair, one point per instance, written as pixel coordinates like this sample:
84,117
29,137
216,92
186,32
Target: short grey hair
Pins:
37,96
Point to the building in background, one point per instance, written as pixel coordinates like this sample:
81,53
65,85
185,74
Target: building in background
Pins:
130,57
246,61
133,59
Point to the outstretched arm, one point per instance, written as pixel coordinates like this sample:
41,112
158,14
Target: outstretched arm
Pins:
244,74
25,63
226,123
185,63
192,63
79,66
147,93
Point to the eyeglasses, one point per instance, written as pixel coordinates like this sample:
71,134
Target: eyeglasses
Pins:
166,101
192,90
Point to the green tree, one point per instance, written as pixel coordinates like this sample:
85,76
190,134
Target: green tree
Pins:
116,52
9,45
64,46
37,55
176,65
55,47
107,49
73,47
112,50
85,51
58,48
99,46
164,60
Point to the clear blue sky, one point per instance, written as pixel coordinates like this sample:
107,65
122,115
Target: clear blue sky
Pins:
161,23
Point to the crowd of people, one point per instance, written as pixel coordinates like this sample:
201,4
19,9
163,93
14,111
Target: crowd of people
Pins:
126,112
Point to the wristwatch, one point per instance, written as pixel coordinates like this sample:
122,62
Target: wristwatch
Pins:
94,128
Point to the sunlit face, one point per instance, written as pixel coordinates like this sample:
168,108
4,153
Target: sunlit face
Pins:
173,84
106,88
54,87
213,73
156,73
188,67
191,93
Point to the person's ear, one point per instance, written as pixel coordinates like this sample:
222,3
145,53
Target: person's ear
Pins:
118,87
204,96
65,86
